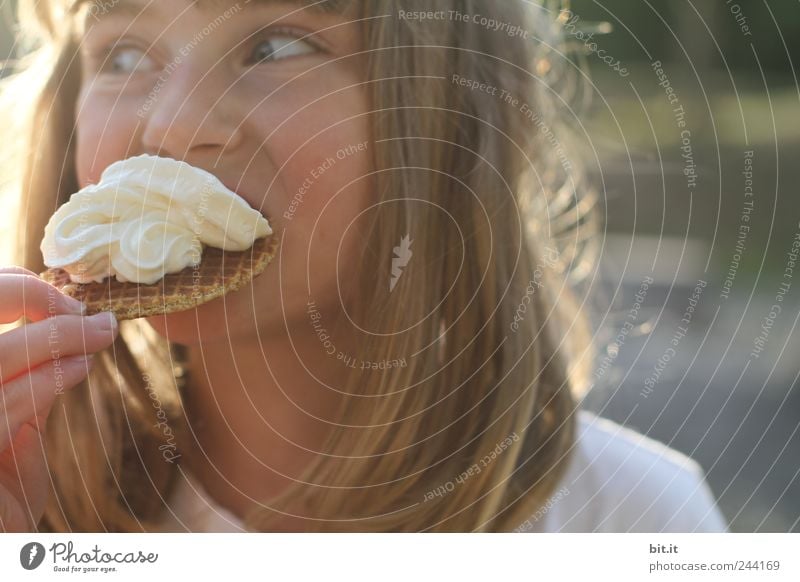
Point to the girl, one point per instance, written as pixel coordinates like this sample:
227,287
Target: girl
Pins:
409,362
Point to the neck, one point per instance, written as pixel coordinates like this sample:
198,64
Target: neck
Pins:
258,413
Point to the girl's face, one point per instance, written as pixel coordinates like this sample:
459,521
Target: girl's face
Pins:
268,97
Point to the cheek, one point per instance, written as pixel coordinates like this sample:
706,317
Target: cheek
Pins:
322,153
325,161
104,125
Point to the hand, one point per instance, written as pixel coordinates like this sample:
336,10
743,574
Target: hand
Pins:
38,361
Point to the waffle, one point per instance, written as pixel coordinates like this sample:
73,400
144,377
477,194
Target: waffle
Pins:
218,273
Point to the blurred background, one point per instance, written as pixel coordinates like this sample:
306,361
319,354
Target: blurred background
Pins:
709,366
678,208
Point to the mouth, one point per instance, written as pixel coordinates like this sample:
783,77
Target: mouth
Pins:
246,195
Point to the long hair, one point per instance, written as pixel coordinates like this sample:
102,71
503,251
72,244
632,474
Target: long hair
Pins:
472,431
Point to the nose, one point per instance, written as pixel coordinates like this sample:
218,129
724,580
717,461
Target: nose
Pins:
189,111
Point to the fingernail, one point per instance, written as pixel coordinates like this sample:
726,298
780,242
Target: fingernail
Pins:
75,306
103,321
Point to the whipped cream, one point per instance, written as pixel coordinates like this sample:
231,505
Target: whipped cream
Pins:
147,217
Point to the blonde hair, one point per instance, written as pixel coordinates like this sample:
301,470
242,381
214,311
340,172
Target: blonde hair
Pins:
493,358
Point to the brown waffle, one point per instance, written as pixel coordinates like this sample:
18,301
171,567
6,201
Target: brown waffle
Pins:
218,273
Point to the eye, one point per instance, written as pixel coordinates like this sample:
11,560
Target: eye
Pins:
128,60
280,46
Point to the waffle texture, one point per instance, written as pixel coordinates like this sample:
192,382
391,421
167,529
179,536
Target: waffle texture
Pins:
218,273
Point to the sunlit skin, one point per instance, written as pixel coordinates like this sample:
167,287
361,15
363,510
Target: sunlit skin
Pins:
261,101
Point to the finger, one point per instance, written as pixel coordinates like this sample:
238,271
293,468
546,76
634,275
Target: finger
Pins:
27,295
16,270
31,345
29,471
31,394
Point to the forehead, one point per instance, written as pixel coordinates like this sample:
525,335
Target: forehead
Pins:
97,7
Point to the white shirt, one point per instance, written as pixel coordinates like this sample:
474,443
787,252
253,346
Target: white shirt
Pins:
621,481
617,481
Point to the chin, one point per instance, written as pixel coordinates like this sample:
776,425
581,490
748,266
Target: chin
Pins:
212,321
248,313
